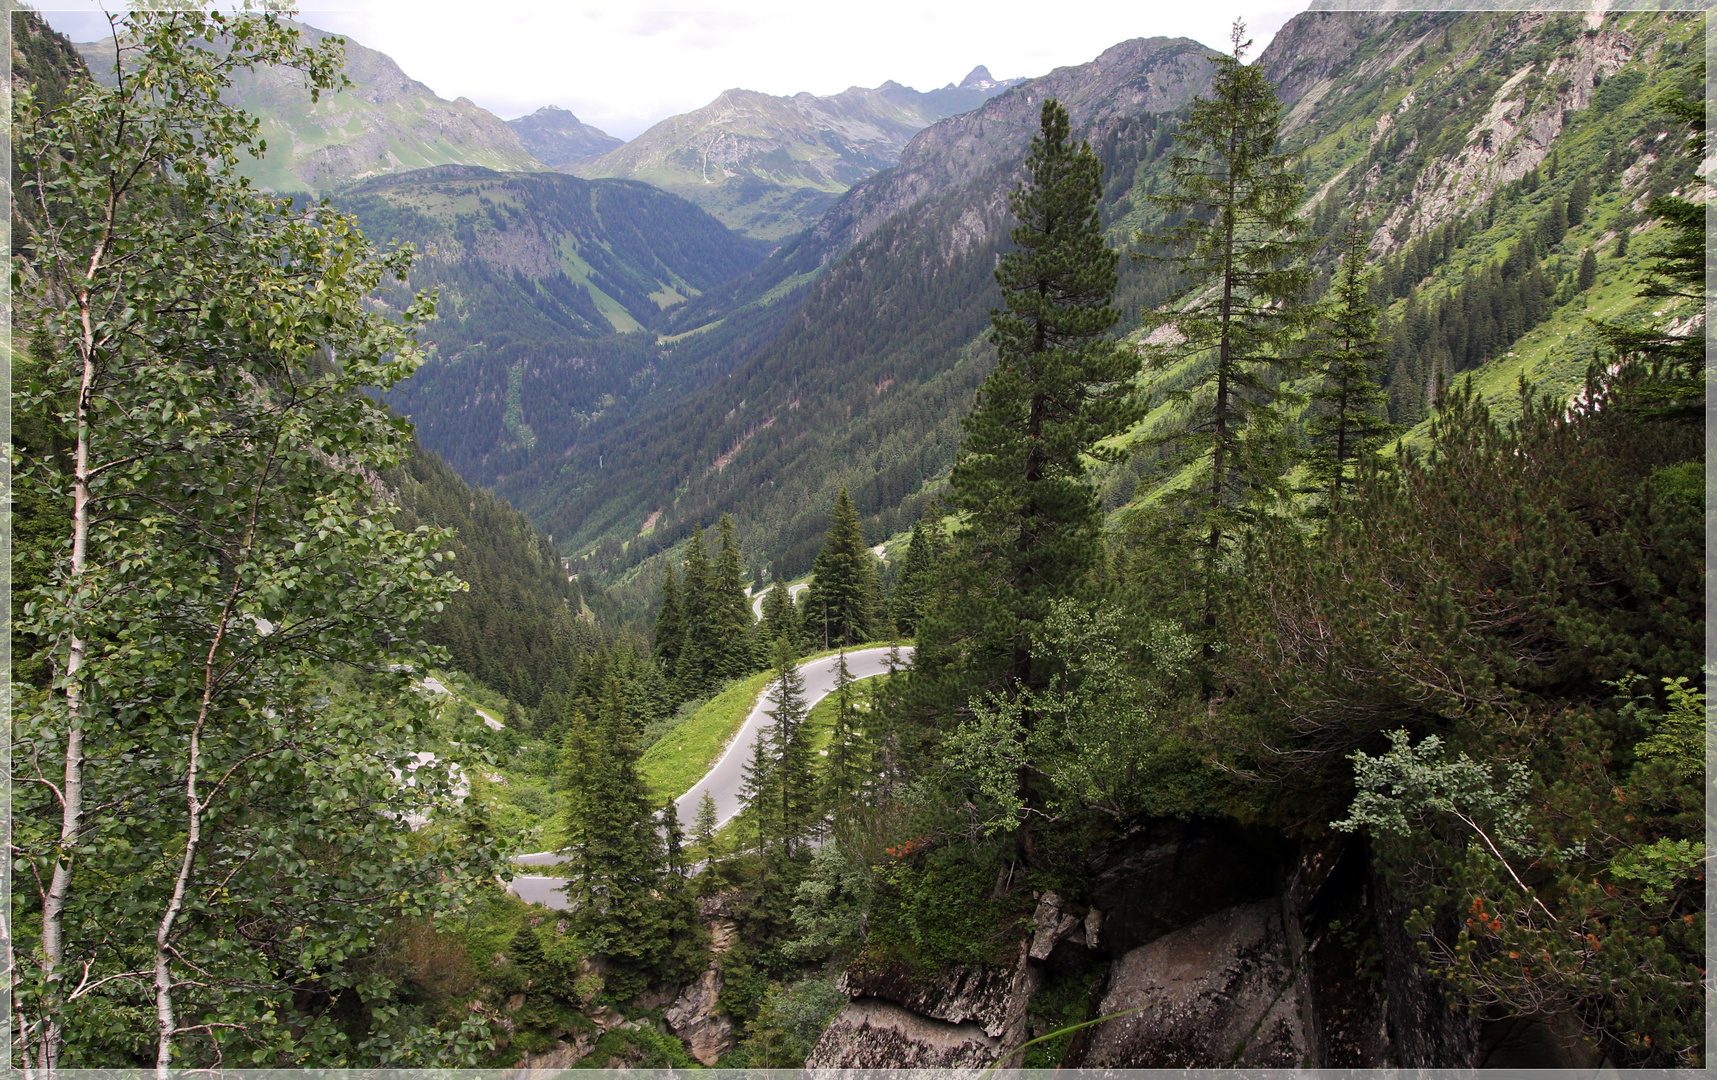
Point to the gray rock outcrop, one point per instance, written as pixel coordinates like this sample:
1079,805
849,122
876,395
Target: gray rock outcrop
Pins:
695,1016
1219,993
874,1034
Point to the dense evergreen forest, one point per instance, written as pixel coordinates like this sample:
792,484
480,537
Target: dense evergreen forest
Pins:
1237,625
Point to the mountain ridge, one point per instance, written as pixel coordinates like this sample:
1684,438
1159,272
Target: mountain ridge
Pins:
769,165
384,122
559,139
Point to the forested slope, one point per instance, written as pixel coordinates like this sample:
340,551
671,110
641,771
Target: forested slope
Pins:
551,291
1448,135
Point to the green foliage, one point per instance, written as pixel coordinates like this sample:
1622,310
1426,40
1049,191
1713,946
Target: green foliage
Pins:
1681,739
829,905
1091,735
1347,425
515,627
841,607
912,590
1241,250
788,1022
638,1048
849,753
614,857
934,908
206,447
1409,782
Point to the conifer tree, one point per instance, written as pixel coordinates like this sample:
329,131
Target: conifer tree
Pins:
670,629
703,829
692,668
756,790
1060,385
614,853
840,606
849,756
911,592
1348,423
1242,250
526,950
795,775
729,618
779,619
1578,198
673,841
1588,274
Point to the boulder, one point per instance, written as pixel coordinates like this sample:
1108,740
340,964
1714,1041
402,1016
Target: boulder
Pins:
695,1016
874,1034
1219,993
1051,922
955,994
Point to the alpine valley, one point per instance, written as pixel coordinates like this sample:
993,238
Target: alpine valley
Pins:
1190,560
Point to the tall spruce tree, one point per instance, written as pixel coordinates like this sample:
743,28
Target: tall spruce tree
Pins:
840,606
779,619
1060,385
917,570
704,828
849,756
757,785
729,612
795,775
1348,422
1241,249
614,853
670,632
693,668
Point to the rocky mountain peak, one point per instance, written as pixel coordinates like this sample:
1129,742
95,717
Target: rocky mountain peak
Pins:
979,79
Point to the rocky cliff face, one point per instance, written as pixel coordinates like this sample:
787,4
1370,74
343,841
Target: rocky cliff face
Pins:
1139,76
1220,947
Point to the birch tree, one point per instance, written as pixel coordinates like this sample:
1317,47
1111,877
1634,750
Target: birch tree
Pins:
215,792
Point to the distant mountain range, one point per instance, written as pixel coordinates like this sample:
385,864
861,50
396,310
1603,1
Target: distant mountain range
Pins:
559,139
770,166
385,122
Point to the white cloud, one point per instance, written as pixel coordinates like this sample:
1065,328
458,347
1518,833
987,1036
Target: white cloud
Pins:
624,66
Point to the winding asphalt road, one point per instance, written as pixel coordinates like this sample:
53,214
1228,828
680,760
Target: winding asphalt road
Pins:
723,781
793,592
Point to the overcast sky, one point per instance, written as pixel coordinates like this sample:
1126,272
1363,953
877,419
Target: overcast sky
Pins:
624,67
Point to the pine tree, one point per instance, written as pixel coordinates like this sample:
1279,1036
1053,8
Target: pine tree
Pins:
795,780
703,830
849,756
779,619
698,652
1348,422
525,951
917,570
1588,275
756,790
729,617
840,606
1578,197
1242,251
670,629
1061,384
1555,222
673,841
614,853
